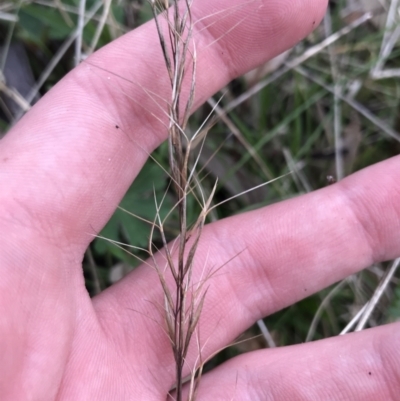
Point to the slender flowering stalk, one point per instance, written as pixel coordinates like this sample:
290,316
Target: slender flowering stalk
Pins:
182,303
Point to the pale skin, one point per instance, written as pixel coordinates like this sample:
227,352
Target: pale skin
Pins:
64,169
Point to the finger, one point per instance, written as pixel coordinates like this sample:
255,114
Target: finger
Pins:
363,366
88,137
277,256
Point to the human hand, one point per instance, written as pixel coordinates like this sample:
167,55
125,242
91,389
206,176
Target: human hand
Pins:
64,169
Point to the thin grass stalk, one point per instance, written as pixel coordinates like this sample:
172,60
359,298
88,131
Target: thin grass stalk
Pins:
183,309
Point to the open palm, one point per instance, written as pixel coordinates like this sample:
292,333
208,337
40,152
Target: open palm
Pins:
64,169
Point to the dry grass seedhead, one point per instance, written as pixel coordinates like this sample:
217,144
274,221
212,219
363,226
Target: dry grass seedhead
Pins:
183,303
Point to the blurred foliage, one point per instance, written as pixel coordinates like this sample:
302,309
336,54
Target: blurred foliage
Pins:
394,311
141,199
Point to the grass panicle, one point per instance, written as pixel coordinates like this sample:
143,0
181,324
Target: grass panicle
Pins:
183,303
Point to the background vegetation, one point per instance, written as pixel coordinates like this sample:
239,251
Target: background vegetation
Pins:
325,109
